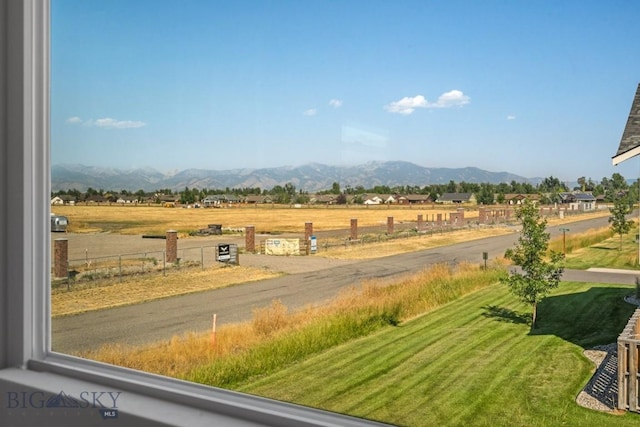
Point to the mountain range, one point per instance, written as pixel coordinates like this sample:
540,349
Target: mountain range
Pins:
310,177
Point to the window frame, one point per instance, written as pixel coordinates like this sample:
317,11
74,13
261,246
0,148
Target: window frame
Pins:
26,361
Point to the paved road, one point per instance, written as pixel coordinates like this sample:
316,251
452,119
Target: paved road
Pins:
161,319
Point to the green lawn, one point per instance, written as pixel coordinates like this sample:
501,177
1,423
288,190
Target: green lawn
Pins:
612,252
471,362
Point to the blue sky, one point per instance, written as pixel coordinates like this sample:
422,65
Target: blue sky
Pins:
538,88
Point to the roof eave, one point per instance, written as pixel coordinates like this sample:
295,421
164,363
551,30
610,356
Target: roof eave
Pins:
616,160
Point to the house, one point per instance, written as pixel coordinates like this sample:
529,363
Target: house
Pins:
401,199
253,199
56,201
577,197
456,198
579,200
325,199
413,199
168,198
232,198
212,201
388,199
96,198
218,200
126,200
372,199
519,198
65,199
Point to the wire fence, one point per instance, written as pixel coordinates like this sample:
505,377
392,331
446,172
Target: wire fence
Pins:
94,268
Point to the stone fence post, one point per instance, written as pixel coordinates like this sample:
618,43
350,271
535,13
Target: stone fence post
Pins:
172,246
60,258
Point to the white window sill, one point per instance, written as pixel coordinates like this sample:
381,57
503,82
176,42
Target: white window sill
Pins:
140,399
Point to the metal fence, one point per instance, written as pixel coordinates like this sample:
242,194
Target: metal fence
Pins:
116,267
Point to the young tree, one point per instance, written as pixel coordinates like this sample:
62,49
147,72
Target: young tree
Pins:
485,195
540,272
618,219
335,188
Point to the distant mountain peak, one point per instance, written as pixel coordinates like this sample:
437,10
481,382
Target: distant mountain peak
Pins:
310,177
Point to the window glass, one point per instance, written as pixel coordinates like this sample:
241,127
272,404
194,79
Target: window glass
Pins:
221,171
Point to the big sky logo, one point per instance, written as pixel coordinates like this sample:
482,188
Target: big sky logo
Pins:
105,401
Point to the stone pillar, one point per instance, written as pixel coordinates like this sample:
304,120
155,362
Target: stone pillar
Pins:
308,232
420,223
389,225
250,239
172,246
461,216
482,215
439,219
60,257
354,229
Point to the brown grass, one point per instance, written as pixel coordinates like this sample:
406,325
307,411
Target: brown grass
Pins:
179,355
137,289
359,251
267,219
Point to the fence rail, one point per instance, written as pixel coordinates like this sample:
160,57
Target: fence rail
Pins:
116,267
333,240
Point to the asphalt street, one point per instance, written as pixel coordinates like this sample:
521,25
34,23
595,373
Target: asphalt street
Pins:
164,318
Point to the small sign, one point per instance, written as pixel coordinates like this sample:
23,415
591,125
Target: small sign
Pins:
282,247
108,414
313,244
224,252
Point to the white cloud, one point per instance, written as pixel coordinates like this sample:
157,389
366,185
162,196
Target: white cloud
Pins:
336,103
511,117
408,105
454,98
106,123
109,123
74,120
310,112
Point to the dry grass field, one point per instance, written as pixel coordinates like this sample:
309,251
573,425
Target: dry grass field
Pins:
266,219
137,289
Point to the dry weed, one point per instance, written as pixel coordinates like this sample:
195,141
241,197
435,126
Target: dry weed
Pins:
405,297
136,289
269,320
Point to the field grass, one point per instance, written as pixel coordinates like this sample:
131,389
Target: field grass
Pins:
265,218
372,249
136,289
601,248
471,362
276,337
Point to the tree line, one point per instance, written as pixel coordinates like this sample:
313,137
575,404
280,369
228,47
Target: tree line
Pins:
549,190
